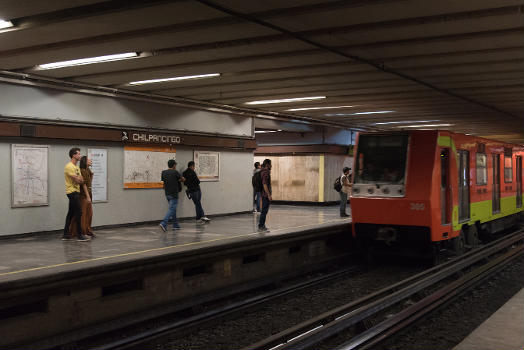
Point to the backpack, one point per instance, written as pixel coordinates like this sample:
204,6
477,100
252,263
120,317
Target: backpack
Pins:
337,185
256,181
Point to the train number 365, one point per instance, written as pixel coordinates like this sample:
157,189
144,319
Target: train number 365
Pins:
417,206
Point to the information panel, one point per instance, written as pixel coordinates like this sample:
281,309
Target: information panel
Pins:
29,186
143,165
207,165
99,168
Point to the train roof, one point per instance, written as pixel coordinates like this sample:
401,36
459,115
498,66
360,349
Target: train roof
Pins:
488,142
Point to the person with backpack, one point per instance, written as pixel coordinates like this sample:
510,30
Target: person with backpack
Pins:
172,185
343,187
256,181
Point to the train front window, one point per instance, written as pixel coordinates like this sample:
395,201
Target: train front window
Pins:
381,159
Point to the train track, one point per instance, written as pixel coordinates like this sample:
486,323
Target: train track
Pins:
377,316
370,319
138,338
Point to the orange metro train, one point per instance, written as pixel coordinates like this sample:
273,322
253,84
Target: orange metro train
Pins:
426,191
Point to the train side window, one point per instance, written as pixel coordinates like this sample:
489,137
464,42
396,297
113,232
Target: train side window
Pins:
508,169
481,169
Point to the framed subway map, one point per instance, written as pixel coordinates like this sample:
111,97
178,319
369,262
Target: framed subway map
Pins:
143,165
30,175
207,165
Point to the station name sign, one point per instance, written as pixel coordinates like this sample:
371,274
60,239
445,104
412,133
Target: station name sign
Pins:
146,137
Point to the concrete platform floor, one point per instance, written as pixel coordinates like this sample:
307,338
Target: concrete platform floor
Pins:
29,257
504,330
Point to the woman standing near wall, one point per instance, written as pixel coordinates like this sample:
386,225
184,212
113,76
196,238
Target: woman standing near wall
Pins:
86,197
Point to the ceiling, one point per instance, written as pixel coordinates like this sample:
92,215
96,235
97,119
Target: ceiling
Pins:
457,64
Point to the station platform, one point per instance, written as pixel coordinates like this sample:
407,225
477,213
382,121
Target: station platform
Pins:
27,257
43,255
504,330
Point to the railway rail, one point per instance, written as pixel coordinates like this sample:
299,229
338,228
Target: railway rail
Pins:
135,339
370,319
379,315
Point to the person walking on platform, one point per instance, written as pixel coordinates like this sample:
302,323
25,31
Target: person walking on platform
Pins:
256,182
73,180
265,175
346,188
86,198
172,185
193,191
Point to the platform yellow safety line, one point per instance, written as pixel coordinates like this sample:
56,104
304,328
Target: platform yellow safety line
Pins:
147,251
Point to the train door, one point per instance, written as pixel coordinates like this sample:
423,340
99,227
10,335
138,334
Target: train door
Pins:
496,184
519,181
463,185
445,187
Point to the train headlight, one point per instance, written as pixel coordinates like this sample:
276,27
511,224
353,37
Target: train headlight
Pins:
385,190
371,190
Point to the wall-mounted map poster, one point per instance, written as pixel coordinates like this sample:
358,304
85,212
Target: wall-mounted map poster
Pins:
143,165
30,173
207,165
99,167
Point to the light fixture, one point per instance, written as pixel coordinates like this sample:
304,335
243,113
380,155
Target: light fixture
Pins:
5,24
186,77
424,126
285,100
406,122
314,108
90,60
358,113
265,131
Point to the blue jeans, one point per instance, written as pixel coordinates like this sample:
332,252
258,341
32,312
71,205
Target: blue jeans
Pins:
258,197
171,211
265,209
343,202
197,197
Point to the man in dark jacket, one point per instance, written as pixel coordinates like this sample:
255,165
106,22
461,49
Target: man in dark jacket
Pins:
265,174
171,179
193,191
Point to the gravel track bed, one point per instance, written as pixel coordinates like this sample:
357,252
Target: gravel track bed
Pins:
288,311
447,326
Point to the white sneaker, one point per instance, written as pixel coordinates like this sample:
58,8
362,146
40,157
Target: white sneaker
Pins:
205,219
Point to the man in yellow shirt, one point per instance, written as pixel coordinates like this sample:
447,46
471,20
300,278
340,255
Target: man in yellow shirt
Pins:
73,179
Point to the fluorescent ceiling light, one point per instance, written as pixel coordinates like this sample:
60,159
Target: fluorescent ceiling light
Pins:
265,131
90,60
424,126
285,100
220,110
359,113
187,77
375,112
5,24
313,108
406,122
